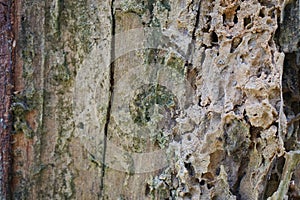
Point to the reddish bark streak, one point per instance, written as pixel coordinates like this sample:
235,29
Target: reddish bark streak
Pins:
6,86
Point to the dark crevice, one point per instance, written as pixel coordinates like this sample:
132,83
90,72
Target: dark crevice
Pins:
255,132
241,173
3,4
191,47
273,177
235,19
291,96
59,16
209,186
238,146
111,93
261,13
147,190
224,18
287,37
202,182
189,167
247,21
197,21
277,35
151,8
214,38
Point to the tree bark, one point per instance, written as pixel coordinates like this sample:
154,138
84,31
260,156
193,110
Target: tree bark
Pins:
6,58
150,99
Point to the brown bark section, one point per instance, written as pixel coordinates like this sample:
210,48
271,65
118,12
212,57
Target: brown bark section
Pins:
6,63
52,39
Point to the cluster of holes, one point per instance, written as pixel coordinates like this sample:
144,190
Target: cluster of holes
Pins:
265,69
230,17
207,180
207,29
226,20
207,8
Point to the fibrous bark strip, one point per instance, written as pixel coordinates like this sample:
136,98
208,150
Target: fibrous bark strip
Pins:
7,44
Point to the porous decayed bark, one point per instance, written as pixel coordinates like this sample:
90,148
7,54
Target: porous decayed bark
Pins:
154,99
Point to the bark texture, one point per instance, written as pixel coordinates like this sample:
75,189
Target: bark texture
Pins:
152,99
6,57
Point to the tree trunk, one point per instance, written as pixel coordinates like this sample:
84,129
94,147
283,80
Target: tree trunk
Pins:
150,99
6,57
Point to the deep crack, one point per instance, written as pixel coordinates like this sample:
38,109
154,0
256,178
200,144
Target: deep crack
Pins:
111,91
191,47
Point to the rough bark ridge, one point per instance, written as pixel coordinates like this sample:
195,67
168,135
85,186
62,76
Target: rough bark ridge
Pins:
155,99
6,57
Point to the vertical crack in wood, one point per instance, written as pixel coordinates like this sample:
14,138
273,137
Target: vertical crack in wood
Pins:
110,101
6,68
191,47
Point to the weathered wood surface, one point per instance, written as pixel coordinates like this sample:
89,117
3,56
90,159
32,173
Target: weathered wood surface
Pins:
155,99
